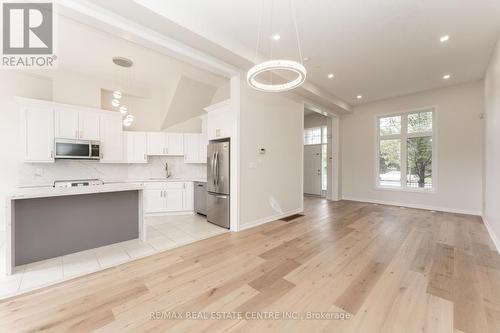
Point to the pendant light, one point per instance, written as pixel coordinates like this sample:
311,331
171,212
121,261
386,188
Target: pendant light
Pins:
125,65
296,68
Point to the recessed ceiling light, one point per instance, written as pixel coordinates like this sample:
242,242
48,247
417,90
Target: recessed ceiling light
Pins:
276,37
359,97
444,38
330,76
446,76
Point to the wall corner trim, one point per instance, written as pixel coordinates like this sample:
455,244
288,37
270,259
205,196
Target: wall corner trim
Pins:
493,237
272,218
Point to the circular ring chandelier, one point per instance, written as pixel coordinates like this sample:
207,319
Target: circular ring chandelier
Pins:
273,65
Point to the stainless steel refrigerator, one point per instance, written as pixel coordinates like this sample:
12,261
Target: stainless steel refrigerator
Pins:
218,189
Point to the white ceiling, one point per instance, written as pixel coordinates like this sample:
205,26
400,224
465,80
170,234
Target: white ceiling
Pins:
376,48
83,49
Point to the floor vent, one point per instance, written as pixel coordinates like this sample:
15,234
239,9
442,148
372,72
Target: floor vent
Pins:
291,217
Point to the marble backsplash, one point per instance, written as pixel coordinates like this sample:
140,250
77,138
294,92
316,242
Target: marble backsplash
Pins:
46,174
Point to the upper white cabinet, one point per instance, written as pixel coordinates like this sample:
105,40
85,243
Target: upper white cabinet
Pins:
88,123
37,123
175,144
111,137
161,143
220,120
66,123
72,123
135,144
195,148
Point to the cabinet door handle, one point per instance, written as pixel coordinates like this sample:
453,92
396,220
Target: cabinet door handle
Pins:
51,154
81,134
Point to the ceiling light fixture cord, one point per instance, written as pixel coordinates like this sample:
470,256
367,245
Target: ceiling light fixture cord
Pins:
294,20
259,31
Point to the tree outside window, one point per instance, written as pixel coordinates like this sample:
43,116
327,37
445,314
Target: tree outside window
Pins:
415,130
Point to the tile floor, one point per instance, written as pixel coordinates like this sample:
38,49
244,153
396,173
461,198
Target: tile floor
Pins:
163,233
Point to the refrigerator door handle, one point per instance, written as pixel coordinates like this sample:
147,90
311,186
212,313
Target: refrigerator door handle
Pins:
217,169
212,167
221,196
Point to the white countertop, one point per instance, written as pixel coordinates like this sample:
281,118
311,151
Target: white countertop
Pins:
149,180
45,191
112,185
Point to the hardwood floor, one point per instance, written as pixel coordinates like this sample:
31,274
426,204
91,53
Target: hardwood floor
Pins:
383,268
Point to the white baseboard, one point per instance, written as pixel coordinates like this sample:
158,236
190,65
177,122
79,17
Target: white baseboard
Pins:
418,206
265,220
493,237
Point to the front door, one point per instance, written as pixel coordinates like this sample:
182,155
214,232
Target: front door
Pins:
312,169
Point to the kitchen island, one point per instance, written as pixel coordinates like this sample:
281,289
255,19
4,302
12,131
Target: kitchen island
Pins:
47,222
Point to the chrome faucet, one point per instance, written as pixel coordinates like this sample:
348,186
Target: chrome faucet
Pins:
167,172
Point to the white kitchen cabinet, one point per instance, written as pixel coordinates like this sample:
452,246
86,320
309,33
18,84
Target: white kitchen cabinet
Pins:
88,125
135,147
111,137
168,197
37,124
188,200
174,200
72,123
162,143
66,123
155,201
175,144
220,120
195,148
156,142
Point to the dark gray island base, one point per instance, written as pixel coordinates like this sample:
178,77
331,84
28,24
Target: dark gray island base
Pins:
56,226
50,223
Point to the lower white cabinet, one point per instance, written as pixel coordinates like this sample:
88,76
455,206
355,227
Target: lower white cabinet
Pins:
135,146
166,197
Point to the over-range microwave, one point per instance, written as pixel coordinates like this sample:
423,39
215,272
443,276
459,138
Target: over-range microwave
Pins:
77,149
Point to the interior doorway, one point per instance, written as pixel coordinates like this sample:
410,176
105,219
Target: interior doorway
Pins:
312,170
315,153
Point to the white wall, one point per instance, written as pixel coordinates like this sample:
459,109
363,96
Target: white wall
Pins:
459,160
491,209
314,120
270,184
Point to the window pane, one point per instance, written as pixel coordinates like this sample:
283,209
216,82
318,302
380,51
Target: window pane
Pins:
420,122
312,136
325,135
324,167
390,125
390,163
419,165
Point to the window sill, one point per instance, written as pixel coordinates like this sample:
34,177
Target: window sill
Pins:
410,190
